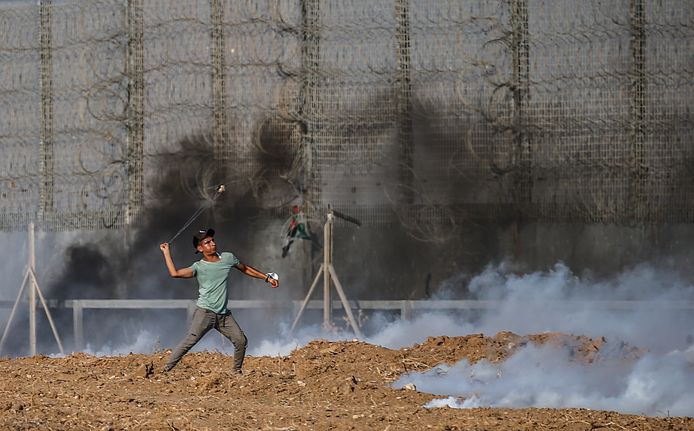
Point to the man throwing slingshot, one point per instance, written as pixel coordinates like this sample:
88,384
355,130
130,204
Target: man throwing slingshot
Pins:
212,273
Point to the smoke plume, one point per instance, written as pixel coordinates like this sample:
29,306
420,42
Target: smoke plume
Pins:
659,320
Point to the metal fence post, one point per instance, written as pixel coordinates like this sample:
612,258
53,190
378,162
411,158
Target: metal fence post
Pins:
310,106
136,106
405,310
78,324
521,94
220,132
404,79
638,171
46,144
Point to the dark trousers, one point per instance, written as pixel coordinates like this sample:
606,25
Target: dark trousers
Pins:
203,321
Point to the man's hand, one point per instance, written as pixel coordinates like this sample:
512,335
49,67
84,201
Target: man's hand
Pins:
173,272
252,272
273,279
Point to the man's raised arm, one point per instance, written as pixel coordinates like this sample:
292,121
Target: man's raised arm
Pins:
173,272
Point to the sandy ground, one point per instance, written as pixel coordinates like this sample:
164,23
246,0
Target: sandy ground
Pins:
324,385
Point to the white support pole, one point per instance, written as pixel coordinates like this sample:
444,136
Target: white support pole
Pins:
78,324
14,309
48,313
345,303
308,297
327,262
405,310
328,274
32,292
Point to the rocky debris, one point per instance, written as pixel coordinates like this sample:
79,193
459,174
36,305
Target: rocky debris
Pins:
145,370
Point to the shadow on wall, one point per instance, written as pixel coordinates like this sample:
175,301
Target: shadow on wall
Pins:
464,167
104,265
184,181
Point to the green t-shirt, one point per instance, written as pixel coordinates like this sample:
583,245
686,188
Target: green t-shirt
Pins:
212,278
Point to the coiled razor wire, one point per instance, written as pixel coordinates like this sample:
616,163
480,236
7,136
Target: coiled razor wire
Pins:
422,113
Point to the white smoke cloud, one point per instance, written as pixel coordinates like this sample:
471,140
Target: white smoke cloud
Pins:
146,343
286,342
397,334
560,301
13,266
544,376
643,306
14,260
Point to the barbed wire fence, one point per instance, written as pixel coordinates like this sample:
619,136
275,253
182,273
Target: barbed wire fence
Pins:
427,114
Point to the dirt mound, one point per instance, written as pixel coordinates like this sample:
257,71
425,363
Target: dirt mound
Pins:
443,349
323,385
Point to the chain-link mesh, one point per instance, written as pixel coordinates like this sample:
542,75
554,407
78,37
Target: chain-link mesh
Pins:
20,113
426,113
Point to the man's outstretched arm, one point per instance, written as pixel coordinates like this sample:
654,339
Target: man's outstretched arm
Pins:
173,272
252,272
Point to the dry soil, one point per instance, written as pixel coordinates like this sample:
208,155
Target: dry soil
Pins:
324,385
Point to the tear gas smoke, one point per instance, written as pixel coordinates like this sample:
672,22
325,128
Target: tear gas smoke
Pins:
558,301
547,377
